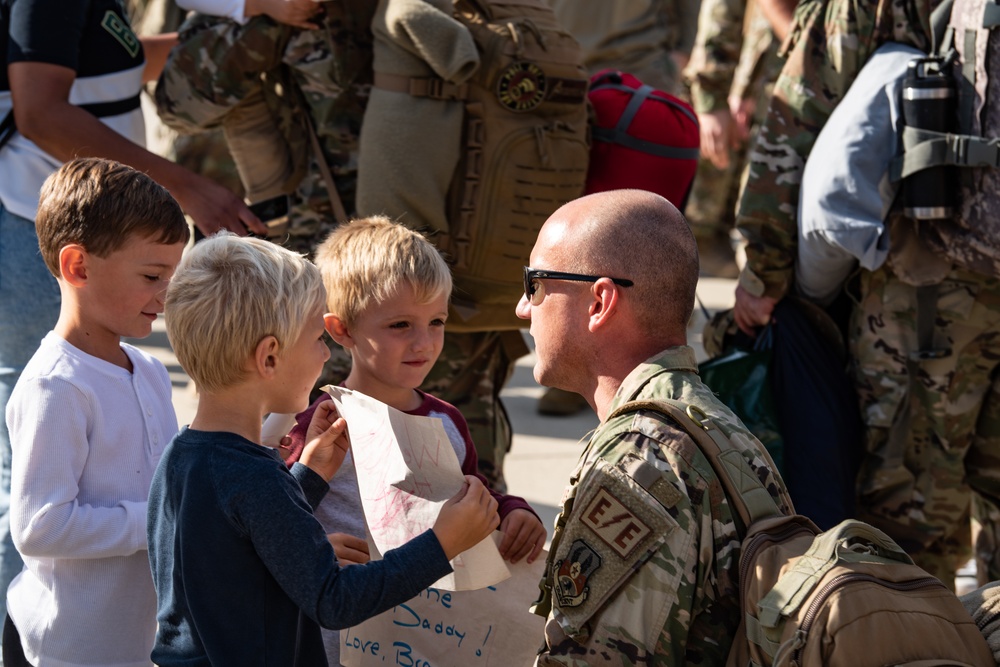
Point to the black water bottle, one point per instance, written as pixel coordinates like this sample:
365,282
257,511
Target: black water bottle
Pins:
929,103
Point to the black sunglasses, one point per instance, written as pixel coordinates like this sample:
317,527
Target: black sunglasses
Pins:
531,288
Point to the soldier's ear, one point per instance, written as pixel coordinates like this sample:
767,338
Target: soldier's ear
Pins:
604,303
338,330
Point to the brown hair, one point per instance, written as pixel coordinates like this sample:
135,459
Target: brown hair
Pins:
99,204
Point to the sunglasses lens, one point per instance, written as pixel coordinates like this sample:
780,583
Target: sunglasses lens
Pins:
536,290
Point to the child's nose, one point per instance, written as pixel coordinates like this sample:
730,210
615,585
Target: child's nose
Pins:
422,340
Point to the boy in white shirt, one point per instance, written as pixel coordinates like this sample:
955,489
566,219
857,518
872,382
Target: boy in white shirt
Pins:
88,420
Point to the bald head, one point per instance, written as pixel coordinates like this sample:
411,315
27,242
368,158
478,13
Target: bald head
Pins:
639,236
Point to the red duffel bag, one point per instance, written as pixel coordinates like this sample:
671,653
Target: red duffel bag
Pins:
643,138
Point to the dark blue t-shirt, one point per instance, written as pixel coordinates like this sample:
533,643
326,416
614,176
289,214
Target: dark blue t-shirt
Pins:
244,573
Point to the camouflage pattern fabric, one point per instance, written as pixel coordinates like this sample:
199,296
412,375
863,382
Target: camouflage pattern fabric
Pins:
205,153
921,496
711,206
735,55
716,53
325,73
830,41
643,568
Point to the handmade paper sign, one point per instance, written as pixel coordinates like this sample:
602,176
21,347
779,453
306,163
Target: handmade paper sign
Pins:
407,469
484,628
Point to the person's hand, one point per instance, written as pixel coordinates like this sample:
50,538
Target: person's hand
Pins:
295,13
715,129
213,207
350,550
752,312
742,111
326,441
523,535
467,518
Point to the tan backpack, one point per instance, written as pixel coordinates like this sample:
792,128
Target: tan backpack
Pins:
847,597
524,151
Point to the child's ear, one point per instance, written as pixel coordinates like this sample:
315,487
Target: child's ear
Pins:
73,265
338,330
265,357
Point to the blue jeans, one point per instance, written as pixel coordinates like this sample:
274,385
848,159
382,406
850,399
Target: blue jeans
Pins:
29,308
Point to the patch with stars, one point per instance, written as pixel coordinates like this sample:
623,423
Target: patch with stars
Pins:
573,572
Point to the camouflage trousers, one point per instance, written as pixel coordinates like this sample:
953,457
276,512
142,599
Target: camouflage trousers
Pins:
933,425
711,207
470,373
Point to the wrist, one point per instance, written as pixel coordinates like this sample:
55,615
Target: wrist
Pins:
252,8
447,545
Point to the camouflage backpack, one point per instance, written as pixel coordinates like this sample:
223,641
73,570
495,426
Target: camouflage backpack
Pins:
847,597
524,151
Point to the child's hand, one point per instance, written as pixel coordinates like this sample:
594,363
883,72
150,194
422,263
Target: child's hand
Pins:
524,535
350,550
295,13
467,518
326,441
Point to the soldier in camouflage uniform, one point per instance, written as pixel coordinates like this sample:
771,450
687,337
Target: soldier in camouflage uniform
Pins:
733,66
643,568
324,76
650,39
933,433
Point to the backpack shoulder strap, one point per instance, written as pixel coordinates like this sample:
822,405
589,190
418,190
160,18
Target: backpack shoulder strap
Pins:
743,489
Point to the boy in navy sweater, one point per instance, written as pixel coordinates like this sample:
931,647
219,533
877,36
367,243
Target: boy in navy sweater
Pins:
244,573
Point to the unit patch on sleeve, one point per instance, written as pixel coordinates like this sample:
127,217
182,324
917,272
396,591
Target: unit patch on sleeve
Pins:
614,523
573,572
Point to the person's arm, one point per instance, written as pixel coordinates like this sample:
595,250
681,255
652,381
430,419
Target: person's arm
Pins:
43,114
818,70
713,62
298,554
715,54
49,424
156,48
779,14
685,618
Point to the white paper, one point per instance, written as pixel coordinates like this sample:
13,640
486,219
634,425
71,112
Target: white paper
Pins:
491,627
276,427
407,469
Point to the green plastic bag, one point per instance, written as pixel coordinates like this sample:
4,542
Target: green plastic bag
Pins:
739,377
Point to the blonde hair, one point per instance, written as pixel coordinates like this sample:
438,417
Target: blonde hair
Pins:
365,261
230,292
99,204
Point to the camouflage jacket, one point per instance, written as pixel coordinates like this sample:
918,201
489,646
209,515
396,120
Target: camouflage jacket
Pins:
716,52
321,75
644,559
830,41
